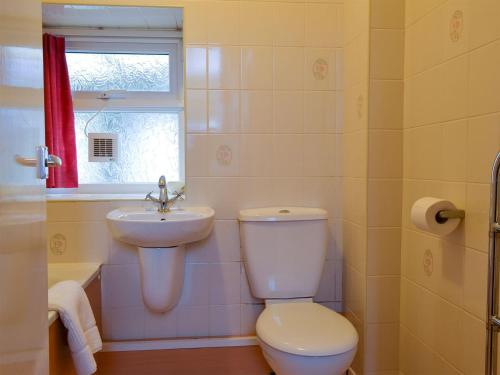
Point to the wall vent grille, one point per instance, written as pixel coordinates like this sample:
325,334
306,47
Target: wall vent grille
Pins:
103,147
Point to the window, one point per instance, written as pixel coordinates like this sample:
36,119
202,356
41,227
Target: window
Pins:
131,89
113,71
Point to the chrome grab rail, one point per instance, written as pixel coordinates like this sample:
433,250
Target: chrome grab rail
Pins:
492,318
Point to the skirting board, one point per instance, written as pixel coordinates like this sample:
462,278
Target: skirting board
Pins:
215,342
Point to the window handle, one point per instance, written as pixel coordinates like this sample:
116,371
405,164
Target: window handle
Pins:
53,161
41,162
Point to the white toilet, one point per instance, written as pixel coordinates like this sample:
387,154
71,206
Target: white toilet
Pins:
284,250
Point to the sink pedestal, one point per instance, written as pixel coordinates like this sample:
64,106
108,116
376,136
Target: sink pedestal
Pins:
161,238
162,276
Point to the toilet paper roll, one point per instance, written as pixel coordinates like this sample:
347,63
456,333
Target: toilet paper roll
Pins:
423,215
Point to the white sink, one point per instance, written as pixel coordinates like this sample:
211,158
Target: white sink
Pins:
160,240
137,226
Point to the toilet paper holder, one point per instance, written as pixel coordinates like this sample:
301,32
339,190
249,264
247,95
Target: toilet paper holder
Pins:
443,215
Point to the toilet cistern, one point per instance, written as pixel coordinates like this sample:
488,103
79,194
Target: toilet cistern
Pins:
164,203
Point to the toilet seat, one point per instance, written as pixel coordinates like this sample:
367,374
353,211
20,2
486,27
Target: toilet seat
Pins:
306,329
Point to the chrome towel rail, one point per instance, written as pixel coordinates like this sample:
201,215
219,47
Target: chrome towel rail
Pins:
492,318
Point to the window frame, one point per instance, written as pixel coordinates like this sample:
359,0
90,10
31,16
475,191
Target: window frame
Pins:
134,101
157,101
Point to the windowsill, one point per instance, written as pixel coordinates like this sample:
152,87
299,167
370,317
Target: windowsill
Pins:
75,197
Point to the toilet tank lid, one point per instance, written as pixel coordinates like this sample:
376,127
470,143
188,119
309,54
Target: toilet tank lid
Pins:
283,214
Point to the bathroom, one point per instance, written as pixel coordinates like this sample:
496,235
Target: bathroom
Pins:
359,108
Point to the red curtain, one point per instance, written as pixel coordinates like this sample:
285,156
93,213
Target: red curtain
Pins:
59,116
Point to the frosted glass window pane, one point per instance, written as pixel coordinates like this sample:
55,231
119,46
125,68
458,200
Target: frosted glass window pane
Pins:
108,71
148,147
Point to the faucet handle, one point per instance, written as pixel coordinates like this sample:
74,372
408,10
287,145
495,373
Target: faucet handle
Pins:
150,197
180,194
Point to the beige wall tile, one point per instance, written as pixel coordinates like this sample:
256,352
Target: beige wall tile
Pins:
386,104
256,23
454,163
423,153
61,211
223,111
384,203
484,79
196,111
256,155
223,155
435,265
354,158
196,67
196,155
257,111
320,111
322,26
195,22
418,358
416,9
289,24
477,209
355,201
356,60
288,156
384,251
456,27
354,242
319,69
382,347
454,89
382,299
424,41
482,22
288,111
387,14
289,68
385,148
354,292
223,22
386,53
257,68
475,282
224,67
473,354
287,190
319,154
483,144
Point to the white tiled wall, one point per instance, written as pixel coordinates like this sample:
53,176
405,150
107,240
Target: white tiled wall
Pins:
262,99
451,136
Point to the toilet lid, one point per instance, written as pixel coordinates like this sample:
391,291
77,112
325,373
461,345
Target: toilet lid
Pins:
307,329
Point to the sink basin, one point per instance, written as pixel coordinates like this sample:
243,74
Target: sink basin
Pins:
160,240
140,227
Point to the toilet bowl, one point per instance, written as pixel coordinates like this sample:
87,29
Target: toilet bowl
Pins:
284,251
300,338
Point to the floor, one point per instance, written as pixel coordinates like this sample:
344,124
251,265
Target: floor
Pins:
244,360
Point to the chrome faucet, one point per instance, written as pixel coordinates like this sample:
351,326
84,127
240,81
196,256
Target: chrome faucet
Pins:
164,203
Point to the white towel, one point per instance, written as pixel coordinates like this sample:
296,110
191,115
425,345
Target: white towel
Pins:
69,299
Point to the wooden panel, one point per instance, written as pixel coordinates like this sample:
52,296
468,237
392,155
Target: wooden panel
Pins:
244,360
60,361
93,291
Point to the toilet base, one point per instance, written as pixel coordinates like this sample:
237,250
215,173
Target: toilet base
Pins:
291,364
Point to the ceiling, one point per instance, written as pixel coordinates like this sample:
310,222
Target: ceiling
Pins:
83,16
